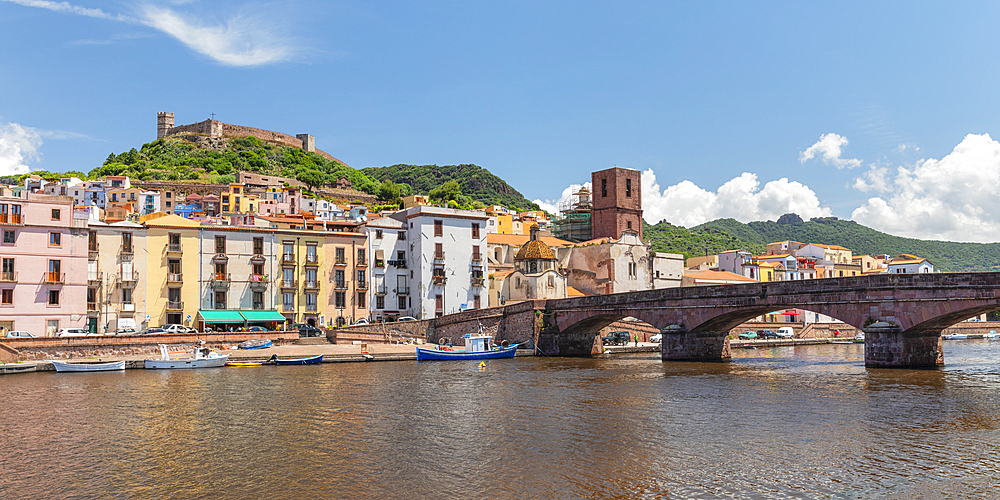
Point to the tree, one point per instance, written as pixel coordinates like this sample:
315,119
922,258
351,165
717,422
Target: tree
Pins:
311,177
388,191
450,190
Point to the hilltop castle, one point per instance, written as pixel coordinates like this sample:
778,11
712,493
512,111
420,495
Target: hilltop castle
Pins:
215,129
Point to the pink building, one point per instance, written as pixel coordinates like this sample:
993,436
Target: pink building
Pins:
43,265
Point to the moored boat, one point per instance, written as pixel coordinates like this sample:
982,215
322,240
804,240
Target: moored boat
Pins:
955,336
255,344
993,335
201,357
244,363
62,366
476,347
859,338
312,360
842,342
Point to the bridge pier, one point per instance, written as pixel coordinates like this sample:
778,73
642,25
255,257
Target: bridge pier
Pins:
887,346
695,346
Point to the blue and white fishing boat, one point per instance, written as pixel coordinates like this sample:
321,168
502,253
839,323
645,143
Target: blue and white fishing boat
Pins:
255,344
476,347
311,360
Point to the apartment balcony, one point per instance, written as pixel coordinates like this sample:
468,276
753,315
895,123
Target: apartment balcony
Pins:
95,279
175,305
93,252
439,255
340,285
127,308
258,281
12,219
312,260
311,308
287,307
380,290
403,290
127,279
439,280
477,257
220,257
340,263
478,281
379,263
173,248
55,278
92,307
289,284
288,258
311,284
398,264
127,250
361,263
362,285
8,277
258,305
221,281
175,278
220,306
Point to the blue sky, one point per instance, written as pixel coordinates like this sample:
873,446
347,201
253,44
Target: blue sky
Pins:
881,113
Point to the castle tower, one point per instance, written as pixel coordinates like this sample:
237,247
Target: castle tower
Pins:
617,203
308,142
164,122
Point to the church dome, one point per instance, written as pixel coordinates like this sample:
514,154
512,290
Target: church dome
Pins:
535,249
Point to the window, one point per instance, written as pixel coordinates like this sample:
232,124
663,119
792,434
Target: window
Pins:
475,252
475,230
604,188
378,233
340,299
632,270
55,239
53,297
220,271
361,256
361,299
258,246
9,237
628,188
401,302
126,295
173,295
475,302
258,300
311,253
168,204
55,266
310,302
438,228
56,214
628,224
288,300
439,302
127,242
8,270
220,244
311,278
174,266
7,296
438,250
361,276
400,255
220,299
338,278
379,302
340,258
401,235
258,268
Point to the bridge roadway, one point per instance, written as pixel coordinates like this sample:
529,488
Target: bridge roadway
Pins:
902,315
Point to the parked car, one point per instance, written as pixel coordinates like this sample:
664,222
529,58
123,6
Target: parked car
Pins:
617,338
152,331
407,318
748,335
19,334
361,321
74,332
767,334
656,338
256,329
310,331
175,328
785,332
125,330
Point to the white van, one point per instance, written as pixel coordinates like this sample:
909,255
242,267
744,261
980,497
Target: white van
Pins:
786,332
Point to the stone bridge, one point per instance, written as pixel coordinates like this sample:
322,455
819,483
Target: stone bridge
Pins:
902,314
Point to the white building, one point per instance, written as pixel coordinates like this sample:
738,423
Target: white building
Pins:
668,270
389,250
910,264
732,261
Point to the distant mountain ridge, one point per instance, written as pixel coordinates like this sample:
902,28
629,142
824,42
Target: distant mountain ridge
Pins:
477,183
725,234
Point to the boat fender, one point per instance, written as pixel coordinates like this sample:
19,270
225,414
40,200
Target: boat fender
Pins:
504,344
443,341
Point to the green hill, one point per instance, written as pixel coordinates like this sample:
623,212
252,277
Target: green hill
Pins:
476,183
724,234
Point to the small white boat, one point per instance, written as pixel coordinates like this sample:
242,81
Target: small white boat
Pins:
201,357
993,335
62,366
955,336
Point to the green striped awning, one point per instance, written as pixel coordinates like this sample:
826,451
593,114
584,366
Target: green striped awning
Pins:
220,316
262,316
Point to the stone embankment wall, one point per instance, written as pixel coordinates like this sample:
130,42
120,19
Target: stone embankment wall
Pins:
380,333
34,349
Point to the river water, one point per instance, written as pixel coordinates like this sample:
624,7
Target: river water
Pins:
792,422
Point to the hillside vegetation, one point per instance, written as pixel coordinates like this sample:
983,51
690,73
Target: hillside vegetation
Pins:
477,186
725,234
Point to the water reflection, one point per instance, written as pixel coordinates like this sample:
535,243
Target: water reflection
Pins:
795,422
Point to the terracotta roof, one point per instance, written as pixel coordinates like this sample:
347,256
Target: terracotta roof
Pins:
907,261
784,241
717,275
773,256
831,247
520,239
499,275
535,250
573,292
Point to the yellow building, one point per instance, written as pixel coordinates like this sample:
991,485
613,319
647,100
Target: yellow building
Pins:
172,269
416,200
236,199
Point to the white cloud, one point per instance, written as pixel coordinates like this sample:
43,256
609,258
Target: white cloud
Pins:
829,147
954,198
552,206
742,198
17,144
241,40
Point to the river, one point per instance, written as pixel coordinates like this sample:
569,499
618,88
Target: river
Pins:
791,422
